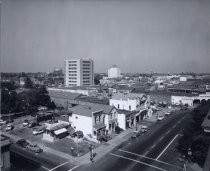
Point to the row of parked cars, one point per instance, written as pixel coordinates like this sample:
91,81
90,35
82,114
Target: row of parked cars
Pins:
143,130
28,124
161,117
8,124
29,146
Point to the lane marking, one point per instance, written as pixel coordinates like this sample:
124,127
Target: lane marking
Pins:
45,168
167,146
59,166
137,161
160,161
161,138
73,168
174,126
168,131
153,145
146,153
143,156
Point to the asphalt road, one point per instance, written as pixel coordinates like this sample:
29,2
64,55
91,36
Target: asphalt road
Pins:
145,152
22,157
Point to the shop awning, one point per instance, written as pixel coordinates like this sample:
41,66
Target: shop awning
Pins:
60,131
99,126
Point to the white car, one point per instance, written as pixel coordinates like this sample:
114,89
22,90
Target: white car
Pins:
36,132
2,122
167,113
25,124
160,118
9,127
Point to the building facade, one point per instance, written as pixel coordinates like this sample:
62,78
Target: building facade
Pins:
94,119
79,72
177,100
5,153
114,72
129,101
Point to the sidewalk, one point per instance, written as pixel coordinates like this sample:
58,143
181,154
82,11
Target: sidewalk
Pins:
105,148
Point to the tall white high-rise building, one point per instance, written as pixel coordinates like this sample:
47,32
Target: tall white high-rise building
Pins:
114,72
79,72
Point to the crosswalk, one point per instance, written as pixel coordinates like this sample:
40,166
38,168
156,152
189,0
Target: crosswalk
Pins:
144,160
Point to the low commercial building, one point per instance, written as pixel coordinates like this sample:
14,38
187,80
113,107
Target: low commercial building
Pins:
129,101
94,119
85,90
5,153
129,119
189,99
63,99
55,130
68,99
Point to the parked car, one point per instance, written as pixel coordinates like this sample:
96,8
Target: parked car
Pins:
160,118
78,134
38,131
183,108
25,123
34,147
32,124
169,107
9,127
22,142
167,113
135,134
2,122
144,128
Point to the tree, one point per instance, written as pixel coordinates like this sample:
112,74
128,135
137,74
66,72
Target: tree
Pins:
28,83
8,101
97,78
43,98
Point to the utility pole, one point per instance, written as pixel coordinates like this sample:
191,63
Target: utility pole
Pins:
136,125
91,153
185,168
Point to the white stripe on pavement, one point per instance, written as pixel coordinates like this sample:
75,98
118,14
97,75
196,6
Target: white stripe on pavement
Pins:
161,138
137,161
59,166
149,158
167,147
45,168
73,168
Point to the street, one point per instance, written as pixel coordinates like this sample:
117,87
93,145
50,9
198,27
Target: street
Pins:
146,152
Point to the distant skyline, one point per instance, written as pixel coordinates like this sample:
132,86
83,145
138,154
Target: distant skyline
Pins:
138,35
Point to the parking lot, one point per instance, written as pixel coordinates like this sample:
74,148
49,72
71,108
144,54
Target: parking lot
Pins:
68,145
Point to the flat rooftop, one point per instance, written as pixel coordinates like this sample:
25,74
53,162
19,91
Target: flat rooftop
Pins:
5,141
75,88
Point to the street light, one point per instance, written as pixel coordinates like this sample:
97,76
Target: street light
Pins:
91,152
136,125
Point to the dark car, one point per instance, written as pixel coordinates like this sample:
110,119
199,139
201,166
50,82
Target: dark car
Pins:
135,134
78,134
33,124
22,142
34,148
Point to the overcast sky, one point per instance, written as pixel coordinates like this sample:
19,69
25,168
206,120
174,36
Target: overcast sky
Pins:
138,36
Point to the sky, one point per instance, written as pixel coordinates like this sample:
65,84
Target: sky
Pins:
136,35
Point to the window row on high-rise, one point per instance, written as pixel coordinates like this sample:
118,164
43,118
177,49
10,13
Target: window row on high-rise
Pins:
72,61
74,68
70,65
